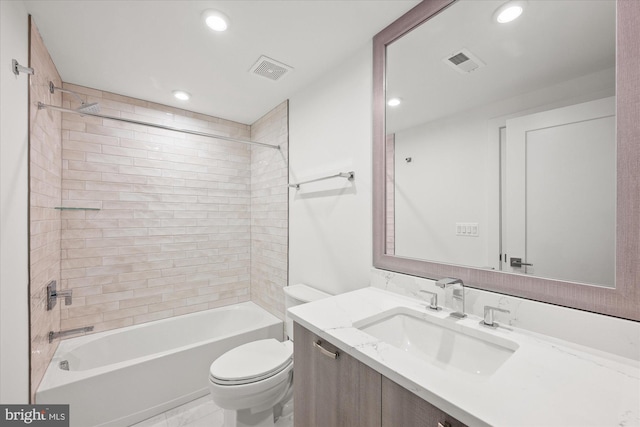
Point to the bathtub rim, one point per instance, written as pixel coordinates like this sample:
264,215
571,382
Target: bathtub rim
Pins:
55,377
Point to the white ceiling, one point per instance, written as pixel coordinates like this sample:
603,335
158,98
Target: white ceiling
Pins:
552,42
146,49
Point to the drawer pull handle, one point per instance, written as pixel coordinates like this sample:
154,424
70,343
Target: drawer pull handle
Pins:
318,345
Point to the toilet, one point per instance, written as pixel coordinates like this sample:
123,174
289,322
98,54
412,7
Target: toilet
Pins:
254,382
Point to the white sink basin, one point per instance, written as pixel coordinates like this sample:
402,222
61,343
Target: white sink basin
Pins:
440,342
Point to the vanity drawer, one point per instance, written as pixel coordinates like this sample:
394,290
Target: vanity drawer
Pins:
401,408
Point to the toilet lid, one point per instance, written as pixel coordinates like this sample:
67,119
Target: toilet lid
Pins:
251,362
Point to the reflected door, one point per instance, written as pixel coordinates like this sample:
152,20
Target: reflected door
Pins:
559,213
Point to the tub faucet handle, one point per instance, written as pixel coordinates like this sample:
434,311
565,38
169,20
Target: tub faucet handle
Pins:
68,296
53,294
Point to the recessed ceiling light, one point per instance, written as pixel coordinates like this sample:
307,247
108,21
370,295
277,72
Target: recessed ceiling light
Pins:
509,11
394,102
181,95
215,20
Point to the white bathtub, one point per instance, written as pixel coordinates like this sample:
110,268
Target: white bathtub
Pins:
120,377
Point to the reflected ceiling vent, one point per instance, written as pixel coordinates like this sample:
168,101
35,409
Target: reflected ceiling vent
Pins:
464,61
270,68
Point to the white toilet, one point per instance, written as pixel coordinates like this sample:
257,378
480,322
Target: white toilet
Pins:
254,381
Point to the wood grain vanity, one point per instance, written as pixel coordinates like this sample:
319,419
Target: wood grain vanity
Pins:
334,389
351,371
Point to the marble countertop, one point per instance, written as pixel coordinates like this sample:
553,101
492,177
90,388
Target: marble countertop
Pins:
545,382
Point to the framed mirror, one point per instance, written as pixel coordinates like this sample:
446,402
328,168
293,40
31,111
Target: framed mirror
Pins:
508,153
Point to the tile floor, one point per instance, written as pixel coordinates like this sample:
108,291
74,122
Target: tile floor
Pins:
201,412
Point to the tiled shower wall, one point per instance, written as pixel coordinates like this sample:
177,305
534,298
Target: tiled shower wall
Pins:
164,223
269,210
45,192
172,234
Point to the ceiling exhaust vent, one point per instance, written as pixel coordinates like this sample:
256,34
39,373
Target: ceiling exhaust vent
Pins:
464,61
270,68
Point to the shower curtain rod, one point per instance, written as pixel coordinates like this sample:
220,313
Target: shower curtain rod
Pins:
136,122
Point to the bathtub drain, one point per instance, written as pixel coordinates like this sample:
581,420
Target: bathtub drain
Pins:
64,365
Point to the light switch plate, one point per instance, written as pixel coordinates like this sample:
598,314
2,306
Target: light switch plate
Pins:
468,229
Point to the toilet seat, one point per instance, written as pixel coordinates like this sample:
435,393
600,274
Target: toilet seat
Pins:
251,362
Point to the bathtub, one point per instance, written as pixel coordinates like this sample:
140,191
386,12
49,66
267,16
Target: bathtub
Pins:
120,377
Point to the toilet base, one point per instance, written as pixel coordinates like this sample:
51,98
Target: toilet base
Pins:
266,418
245,418
286,415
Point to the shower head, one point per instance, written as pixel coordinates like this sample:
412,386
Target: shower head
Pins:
93,108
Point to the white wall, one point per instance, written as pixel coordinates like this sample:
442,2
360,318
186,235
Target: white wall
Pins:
459,154
330,131
330,221
14,278
445,183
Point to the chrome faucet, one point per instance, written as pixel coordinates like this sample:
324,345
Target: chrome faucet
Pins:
458,294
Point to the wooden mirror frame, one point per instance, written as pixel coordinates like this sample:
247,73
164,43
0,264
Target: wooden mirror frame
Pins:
622,301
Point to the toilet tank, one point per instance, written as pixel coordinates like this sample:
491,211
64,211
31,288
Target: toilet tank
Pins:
296,295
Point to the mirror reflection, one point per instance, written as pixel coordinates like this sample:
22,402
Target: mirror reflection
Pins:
501,140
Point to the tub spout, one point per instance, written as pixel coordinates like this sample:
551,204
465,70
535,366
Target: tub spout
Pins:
60,334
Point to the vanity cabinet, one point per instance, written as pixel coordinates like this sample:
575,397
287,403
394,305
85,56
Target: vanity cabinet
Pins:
400,407
332,392
340,391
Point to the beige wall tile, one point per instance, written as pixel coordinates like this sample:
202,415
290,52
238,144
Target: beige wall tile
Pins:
46,192
186,223
154,246
269,177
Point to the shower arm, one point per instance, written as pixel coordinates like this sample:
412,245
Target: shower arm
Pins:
42,106
53,88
